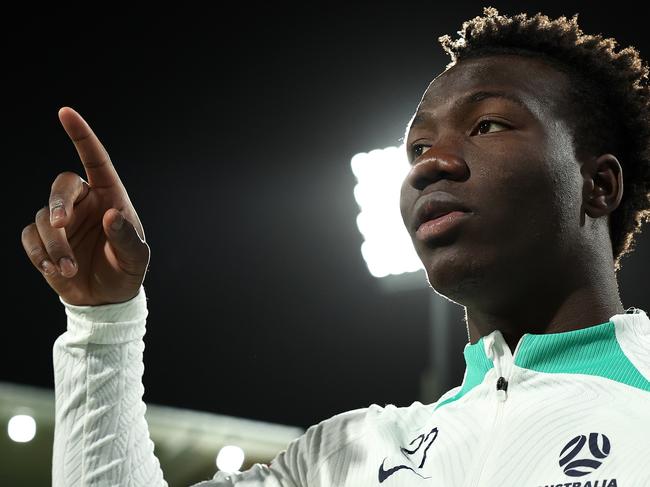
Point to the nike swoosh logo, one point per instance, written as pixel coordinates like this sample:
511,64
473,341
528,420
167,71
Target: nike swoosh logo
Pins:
384,474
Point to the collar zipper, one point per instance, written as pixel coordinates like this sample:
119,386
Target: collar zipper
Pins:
494,342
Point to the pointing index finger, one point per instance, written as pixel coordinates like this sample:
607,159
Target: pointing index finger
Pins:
94,157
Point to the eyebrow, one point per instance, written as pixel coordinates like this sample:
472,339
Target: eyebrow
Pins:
422,118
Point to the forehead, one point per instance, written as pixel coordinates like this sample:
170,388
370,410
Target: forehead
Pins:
539,85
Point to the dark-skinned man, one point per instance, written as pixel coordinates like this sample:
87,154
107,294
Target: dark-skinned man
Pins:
528,183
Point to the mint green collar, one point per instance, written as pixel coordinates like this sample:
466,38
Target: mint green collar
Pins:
593,350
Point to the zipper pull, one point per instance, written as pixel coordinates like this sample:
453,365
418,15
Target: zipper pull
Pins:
502,387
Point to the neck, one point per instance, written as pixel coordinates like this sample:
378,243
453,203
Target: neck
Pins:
550,308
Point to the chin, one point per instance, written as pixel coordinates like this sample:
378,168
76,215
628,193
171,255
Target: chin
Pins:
458,278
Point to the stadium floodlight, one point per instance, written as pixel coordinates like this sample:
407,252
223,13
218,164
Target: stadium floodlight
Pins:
387,248
230,459
21,428
390,255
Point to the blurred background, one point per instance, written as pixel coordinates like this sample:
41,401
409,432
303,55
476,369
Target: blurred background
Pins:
234,132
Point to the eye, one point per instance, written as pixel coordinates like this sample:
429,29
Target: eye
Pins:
419,149
488,122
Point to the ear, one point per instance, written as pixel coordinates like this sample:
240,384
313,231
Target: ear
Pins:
602,190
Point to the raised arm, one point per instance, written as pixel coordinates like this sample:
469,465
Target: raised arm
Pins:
89,245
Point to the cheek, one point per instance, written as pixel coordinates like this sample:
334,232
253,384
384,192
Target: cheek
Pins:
562,174
520,203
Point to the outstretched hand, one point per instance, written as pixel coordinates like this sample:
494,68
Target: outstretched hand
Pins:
88,243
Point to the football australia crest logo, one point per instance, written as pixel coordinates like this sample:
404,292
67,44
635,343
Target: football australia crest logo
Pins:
581,456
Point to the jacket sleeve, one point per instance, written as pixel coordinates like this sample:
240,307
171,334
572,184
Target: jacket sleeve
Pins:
318,458
101,436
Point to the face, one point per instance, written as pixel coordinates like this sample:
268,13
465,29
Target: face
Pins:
511,165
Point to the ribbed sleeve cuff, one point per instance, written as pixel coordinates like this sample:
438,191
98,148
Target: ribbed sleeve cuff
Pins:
107,323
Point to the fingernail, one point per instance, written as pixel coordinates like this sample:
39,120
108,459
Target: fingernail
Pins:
58,212
67,266
48,267
117,223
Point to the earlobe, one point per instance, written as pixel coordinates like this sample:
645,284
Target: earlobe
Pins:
603,186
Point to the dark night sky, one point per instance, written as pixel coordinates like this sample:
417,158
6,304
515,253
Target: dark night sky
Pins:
233,134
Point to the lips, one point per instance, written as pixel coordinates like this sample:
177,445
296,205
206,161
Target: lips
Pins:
434,205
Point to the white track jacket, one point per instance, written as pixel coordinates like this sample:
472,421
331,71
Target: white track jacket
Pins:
567,409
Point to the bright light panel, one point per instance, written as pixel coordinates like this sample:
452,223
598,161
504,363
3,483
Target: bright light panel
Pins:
387,247
230,459
21,428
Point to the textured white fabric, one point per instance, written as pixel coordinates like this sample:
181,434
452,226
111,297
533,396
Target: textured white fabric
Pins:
593,425
101,436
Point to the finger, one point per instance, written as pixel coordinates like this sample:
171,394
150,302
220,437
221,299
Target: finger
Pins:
56,244
67,189
36,251
132,252
99,168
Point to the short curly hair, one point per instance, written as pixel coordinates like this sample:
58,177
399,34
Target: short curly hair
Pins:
608,109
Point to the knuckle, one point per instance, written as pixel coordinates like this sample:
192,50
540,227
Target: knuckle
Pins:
43,213
35,253
62,185
27,231
63,177
53,247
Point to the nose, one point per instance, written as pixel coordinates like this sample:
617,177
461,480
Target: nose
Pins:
435,164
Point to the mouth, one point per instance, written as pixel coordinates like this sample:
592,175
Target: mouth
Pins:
435,205
440,225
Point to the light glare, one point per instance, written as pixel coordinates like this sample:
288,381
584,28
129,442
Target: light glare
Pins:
230,458
387,247
21,428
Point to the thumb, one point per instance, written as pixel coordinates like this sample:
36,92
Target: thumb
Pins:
131,252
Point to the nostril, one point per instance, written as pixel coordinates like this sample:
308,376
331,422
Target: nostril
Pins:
434,165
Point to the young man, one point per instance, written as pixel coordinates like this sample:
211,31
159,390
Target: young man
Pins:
520,150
